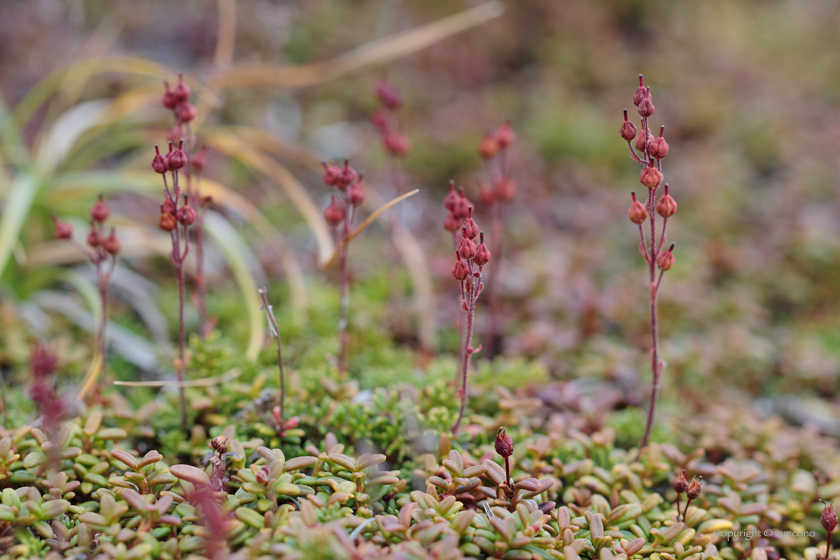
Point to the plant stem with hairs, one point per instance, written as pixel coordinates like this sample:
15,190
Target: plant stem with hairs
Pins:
275,332
652,150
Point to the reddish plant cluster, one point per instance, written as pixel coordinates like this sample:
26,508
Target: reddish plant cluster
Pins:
101,250
385,122
177,100
42,365
176,217
828,519
470,260
690,489
347,195
650,151
459,209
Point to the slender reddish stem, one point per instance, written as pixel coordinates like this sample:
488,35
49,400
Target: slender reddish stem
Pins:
345,291
465,359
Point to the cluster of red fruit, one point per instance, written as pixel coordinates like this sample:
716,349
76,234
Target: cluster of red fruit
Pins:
383,119
177,100
493,147
467,252
101,244
170,214
345,180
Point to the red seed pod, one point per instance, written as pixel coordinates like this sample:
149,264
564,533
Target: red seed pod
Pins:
462,205
100,211
640,141
397,144
451,223
389,95
466,248
199,160
460,270
470,227
695,486
168,206
627,129
505,135
332,174
177,158
637,212
505,189
451,198
667,206
646,107
335,213
489,146
504,445
188,112
665,261
186,214
159,163
348,175
219,444
380,120
650,177
482,253
112,243
828,518
681,484
181,91
641,92
169,100
355,193
94,238
486,195
167,221
63,230
659,147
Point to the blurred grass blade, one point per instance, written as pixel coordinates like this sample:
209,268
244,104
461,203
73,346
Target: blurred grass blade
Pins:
65,131
238,254
206,382
380,51
11,143
15,210
370,220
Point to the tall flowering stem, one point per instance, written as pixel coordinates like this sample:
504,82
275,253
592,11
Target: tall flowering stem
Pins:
649,153
468,268
101,249
347,195
176,216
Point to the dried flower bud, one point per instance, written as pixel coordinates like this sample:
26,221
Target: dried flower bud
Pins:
451,198
489,146
451,223
186,214
182,90
188,112
168,206
466,248
627,129
482,253
100,211
505,189
505,135
650,177
199,160
380,120
94,238
665,261
486,195
355,193
167,221
332,174
389,95
462,206
666,206
681,484
112,243
169,100
659,147
63,230
640,141
828,518
470,227
696,486
219,444
637,212
334,214
646,107
348,175
397,144
641,93
504,445
460,270
176,158
159,162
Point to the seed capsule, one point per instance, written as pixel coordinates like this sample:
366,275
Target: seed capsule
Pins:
504,445
397,144
659,147
168,100
665,261
451,198
681,484
167,221
389,95
460,270
828,518
667,206
182,90
451,223
332,174
186,214
112,243
335,213
176,158
94,238
637,212
159,162
696,486
100,211
650,177
640,93
489,146
482,253
470,227
63,230
505,135
466,248
355,193
640,141
627,129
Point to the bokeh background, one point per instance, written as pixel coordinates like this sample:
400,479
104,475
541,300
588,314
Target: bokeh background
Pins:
749,92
